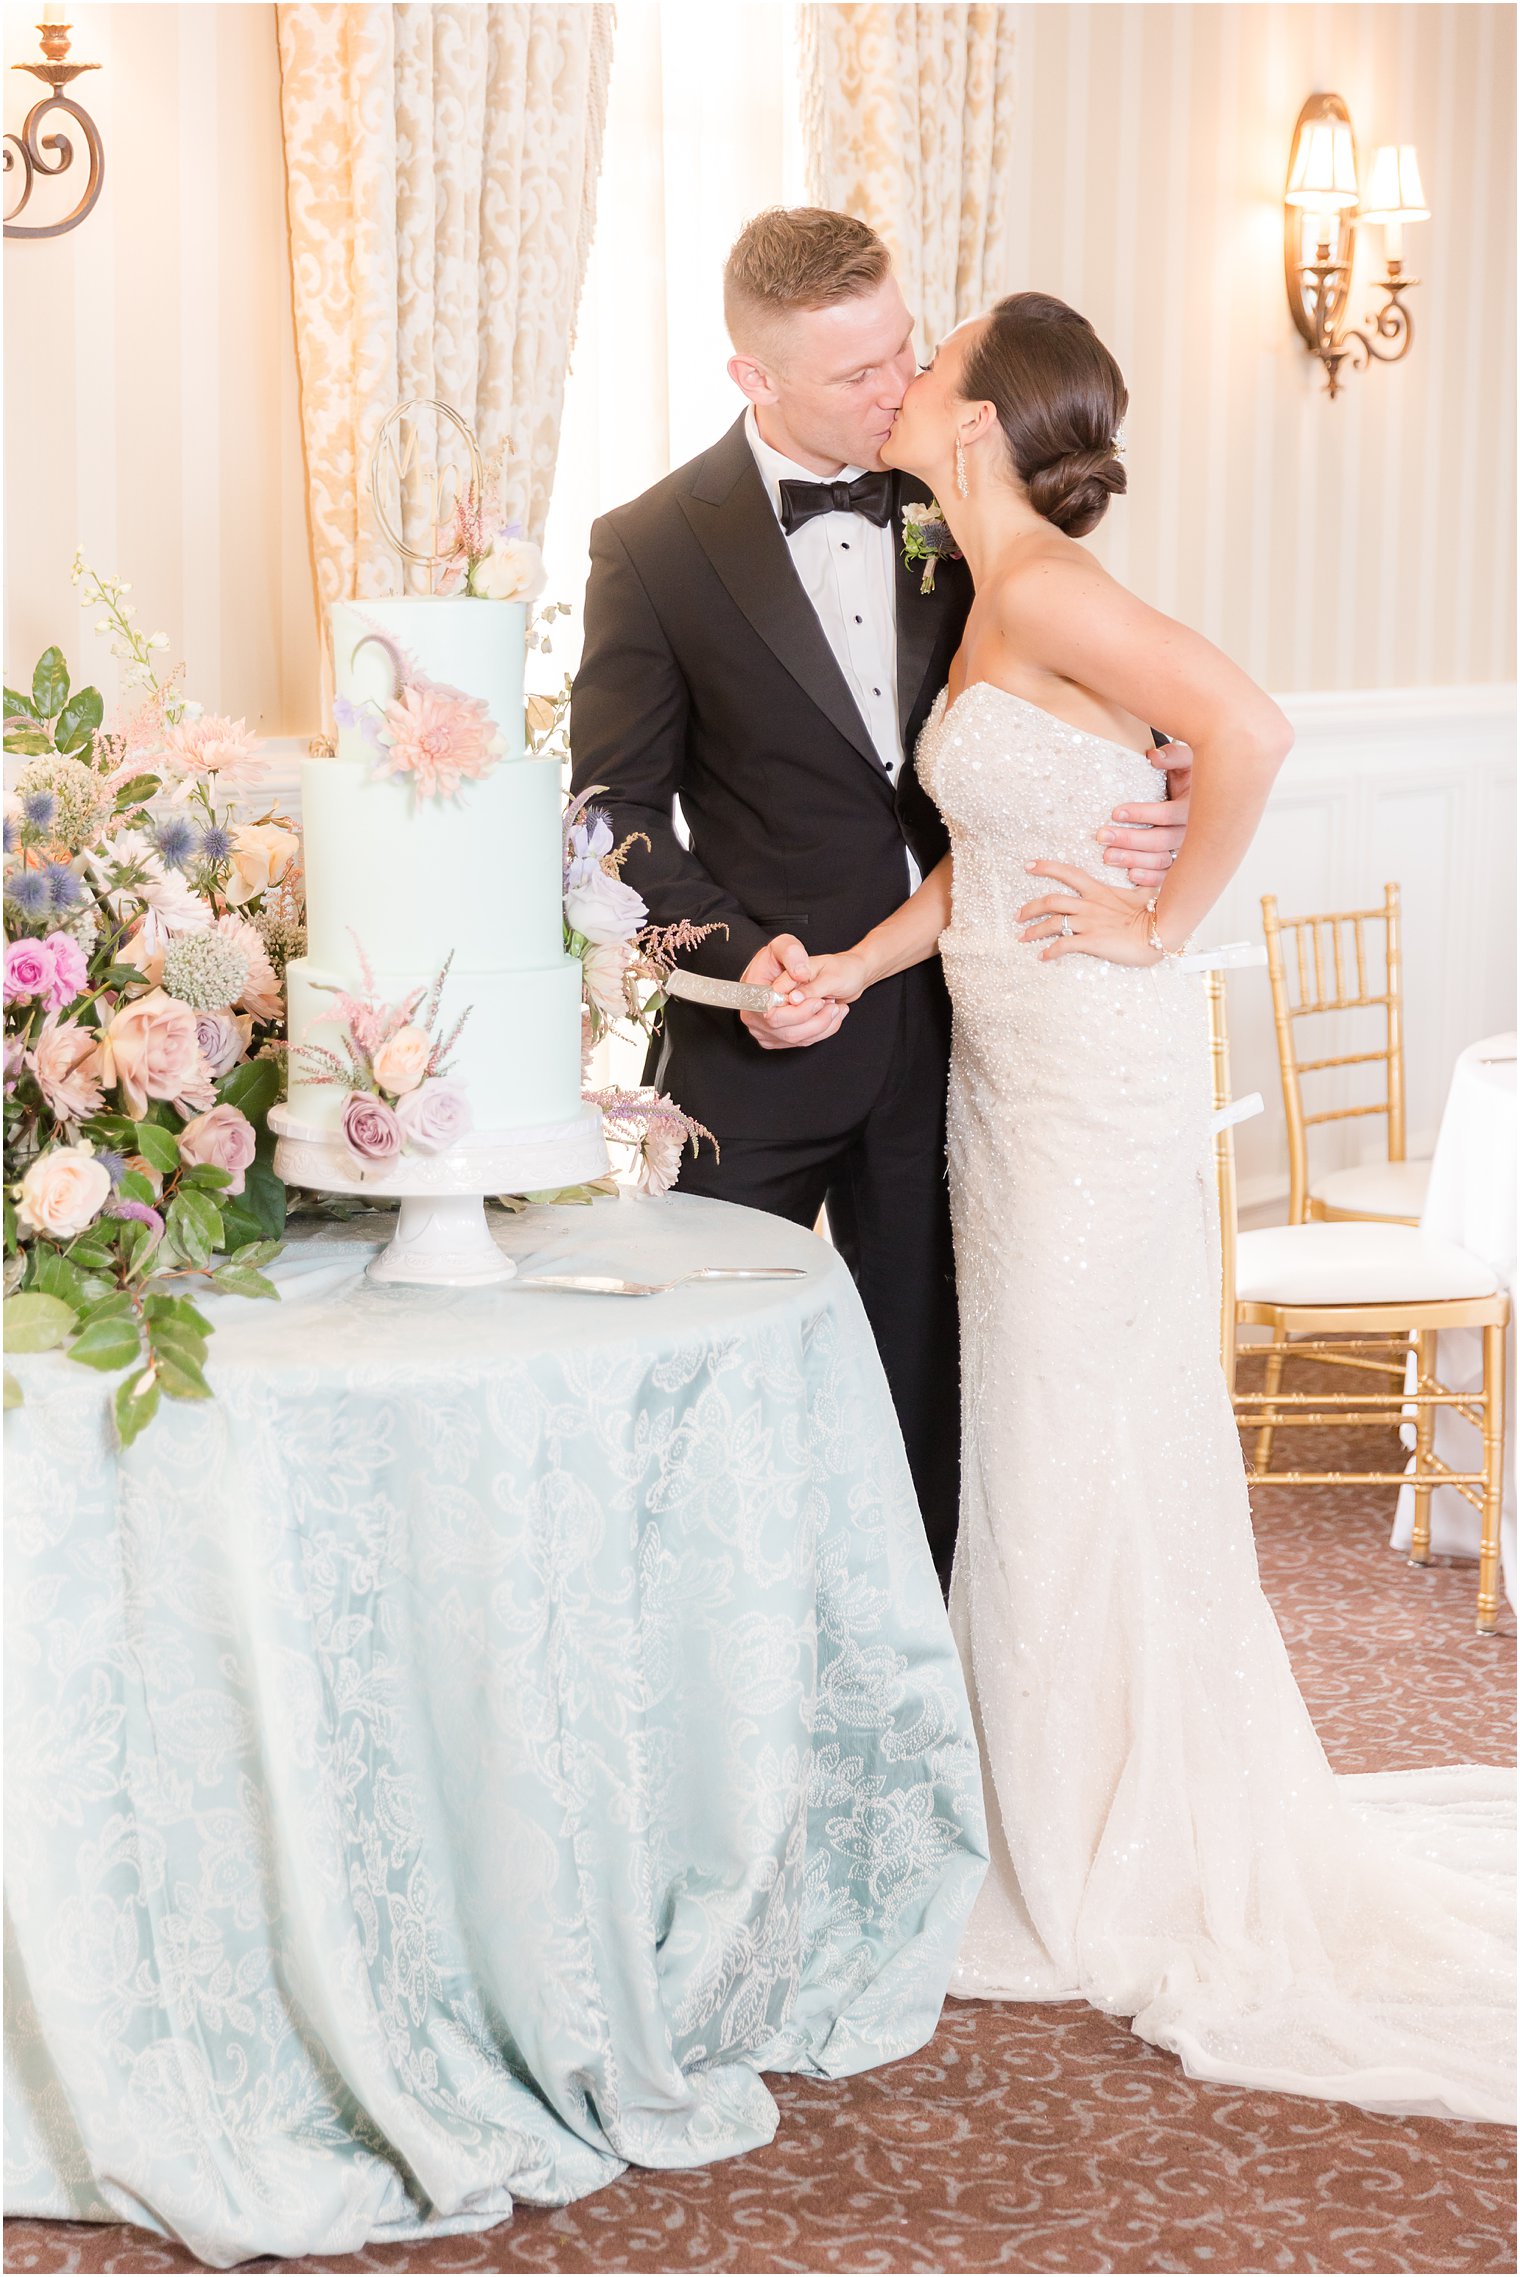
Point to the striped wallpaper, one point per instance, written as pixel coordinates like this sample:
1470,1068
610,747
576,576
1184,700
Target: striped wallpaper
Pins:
151,408
1367,542
150,382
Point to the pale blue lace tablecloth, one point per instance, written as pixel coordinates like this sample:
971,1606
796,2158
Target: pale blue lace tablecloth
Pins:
462,1757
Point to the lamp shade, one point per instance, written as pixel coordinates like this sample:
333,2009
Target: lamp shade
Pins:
1395,191
1323,173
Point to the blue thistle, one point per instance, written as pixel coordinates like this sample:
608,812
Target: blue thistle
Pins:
175,841
216,843
63,887
114,1165
10,836
39,809
29,892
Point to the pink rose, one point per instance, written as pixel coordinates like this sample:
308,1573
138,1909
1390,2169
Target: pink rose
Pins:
223,1038
401,1061
28,970
71,970
433,1117
370,1128
66,1063
225,1138
63,1192
150,1050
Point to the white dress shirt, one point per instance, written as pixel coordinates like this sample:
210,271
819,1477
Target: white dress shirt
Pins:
848,572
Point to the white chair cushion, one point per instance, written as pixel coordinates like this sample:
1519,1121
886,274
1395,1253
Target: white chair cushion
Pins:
1375,1189
1346,1264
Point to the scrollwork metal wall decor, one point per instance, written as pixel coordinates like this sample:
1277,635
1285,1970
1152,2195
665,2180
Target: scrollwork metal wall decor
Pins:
29,151
1323,208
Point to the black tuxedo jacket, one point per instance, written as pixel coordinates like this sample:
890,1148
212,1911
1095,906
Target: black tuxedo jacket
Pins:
707,679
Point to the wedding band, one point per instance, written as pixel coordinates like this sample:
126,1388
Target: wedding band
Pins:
1066,928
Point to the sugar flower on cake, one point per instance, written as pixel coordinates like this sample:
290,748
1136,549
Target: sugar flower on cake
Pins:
391,1059
439,737
513,570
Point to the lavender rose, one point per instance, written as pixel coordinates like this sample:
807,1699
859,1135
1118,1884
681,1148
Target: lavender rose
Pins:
223,1038
370,1128
433,1117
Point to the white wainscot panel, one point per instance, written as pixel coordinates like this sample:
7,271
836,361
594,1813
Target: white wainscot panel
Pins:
1415,785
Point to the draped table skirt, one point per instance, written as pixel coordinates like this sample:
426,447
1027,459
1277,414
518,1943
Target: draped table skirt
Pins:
462,1757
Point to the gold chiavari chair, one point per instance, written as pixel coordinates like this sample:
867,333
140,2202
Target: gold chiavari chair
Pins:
1357,1295
1345,962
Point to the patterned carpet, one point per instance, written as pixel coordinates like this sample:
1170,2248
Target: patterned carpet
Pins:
1050,2139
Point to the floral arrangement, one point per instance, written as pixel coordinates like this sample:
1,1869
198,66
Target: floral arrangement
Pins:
624,961
392,1067
146,931
484,556
926,538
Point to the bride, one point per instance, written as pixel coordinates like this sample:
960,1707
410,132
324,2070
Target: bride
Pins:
1169,1841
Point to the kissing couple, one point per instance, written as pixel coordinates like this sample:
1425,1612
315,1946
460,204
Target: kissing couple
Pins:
907,721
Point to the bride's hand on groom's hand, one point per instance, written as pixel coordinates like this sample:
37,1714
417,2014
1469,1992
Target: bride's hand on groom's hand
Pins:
1104,920
785,964
839,979
1143,839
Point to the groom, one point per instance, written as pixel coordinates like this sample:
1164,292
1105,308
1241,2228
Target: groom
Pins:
757,651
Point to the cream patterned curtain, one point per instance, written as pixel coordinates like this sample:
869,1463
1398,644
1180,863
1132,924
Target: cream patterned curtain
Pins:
441,169
908,122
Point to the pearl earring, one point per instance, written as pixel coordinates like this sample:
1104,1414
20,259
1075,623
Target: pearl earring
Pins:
961,484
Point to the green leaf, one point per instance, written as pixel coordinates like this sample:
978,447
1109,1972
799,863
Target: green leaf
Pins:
56,1276
263,1197
138,791
91,1250
17,705
183,1343
107,1345
242,1281
12,1232
135,1409
204,1213
189,1238
181,1377
253,1086
205,1178
158,1146
254,1252
161,1308
35,1322
117,1306
31,742
50,683
121,976
138,1243
114,1131
78,720
12,1390
134,1187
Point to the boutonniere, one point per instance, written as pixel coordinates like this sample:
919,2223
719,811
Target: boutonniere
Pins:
926,538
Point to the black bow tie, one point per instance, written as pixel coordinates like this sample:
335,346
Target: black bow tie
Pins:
868,494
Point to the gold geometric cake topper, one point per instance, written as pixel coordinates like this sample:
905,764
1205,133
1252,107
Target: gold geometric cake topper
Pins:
396,448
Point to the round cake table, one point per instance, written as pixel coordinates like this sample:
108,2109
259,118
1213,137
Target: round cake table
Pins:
463,1755
1471,1201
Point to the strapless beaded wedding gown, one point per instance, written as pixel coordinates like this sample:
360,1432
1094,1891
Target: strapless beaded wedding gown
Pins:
1169,1842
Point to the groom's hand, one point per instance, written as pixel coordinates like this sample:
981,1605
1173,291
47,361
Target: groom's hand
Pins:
1144,839
801,1019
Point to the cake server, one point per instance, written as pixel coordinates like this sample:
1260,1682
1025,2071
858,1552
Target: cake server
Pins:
608,1285
728,995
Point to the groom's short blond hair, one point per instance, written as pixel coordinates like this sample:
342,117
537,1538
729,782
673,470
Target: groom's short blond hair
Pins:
796,257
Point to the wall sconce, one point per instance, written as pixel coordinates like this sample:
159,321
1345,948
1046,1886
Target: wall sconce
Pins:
29,147
1322,206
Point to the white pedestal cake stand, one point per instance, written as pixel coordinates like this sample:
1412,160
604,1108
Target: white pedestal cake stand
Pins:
442,1237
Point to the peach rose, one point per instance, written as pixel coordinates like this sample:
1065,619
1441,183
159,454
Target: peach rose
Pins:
151,1051
401,1062
66,1063
225,1138
261,854
63,1192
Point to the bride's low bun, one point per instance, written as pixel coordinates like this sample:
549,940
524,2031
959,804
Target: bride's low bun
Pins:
1073,491
1060,400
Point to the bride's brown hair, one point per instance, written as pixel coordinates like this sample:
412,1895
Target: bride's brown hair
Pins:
1060,399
